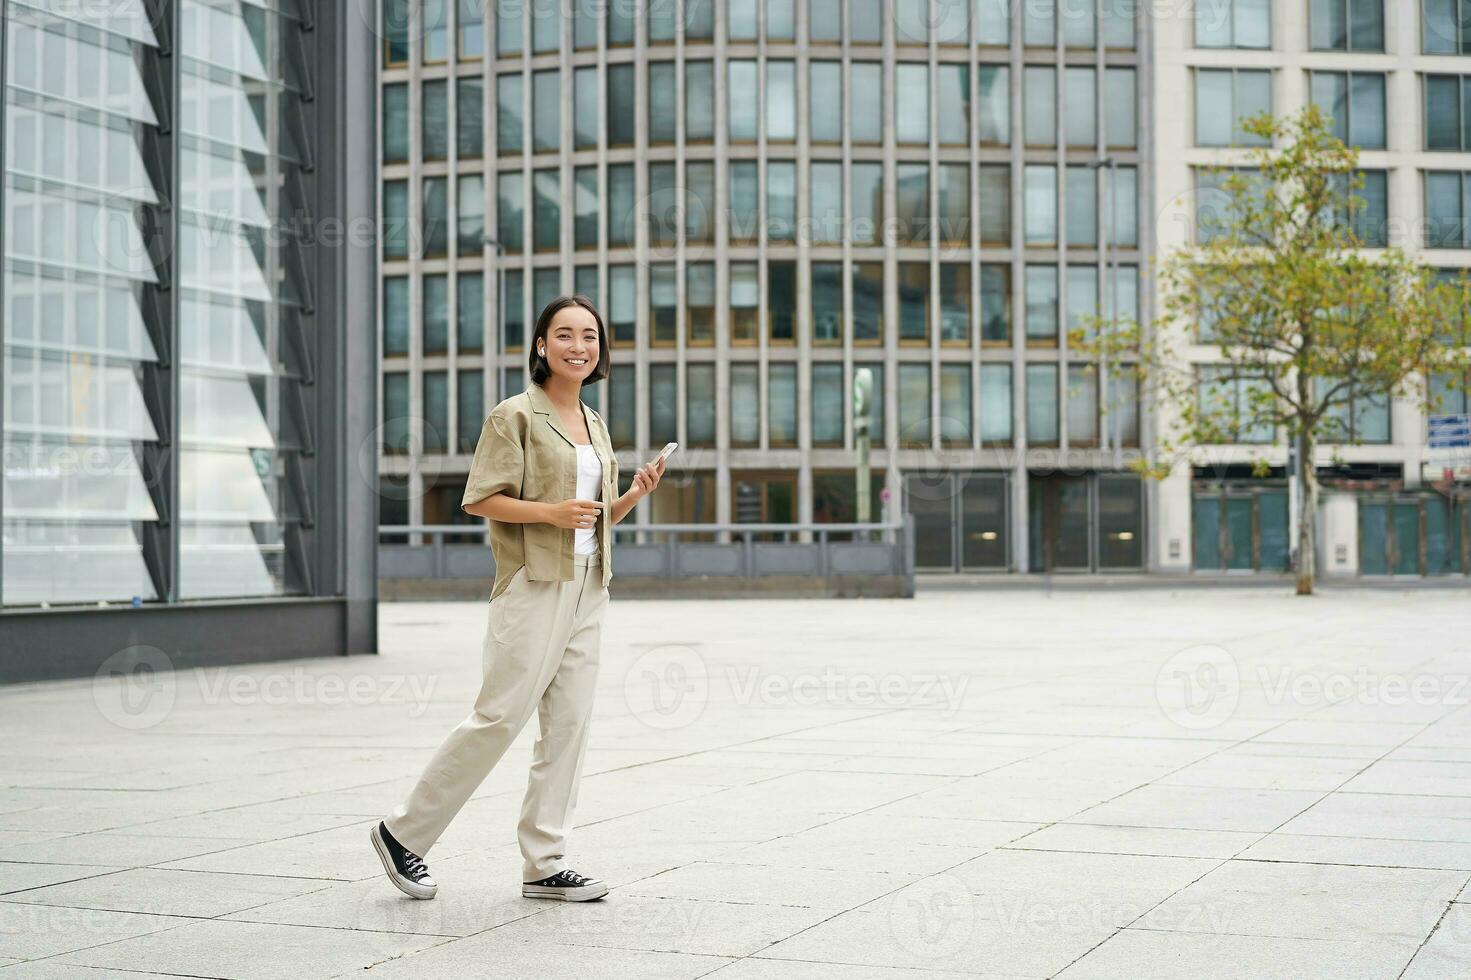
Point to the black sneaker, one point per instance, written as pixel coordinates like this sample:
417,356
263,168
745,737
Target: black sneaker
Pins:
565,886
406,870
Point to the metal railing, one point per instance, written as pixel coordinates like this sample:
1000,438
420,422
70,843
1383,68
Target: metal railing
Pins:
422,551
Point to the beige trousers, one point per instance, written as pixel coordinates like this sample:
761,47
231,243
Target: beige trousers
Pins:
540,654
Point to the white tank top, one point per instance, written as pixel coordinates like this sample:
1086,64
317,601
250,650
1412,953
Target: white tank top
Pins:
589,487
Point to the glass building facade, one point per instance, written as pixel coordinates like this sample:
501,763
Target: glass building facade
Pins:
765,197
176,352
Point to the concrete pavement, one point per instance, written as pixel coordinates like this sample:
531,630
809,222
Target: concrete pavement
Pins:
1075,784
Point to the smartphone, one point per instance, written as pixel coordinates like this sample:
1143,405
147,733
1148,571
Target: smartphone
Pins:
669,447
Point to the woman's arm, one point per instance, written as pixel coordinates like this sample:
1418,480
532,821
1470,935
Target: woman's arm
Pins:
572,513
645,481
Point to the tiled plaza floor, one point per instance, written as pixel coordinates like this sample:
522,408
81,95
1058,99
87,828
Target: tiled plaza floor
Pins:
1075,784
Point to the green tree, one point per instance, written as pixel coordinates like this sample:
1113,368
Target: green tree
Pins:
1305,321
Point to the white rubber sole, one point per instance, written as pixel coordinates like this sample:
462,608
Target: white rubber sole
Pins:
410,888
584,894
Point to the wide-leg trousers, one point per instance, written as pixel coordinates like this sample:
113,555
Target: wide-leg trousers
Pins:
540,654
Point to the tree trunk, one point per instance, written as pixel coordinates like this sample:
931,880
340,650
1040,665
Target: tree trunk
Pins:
1307,518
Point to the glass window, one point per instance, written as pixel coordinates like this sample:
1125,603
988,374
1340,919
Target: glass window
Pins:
745,405
1233,24
826,101
993,96
1039,106
781,301
622,213
663,93
914,302
995,304
745,302
912,200
825,20
1347,25
865,21
745,213
781,404
663,404
827,404
436,411
1122,187
864,124
1447,26
470,208
868,202
395,315
781,200
1082,299
436,215
622,306
868,302
994,201
1042,305
911,23
826,215
663,307
1082,206
396,219
469,408
912,95
1040,204
515,310
546,111
660,205
955,404
1080,108
585,17
699,404
993,22
914,404
699,206
1216,212
1042,422
1120,97
585,119
1355,104
781,101
1224,98
1082,405
661,22
585,202
1368,216
470,311
954,302
1447,121
742,102
395,123
434,120
395,32
546,210
435,25
1117,22
623,408
1039,23
621,23
995,404
396,412
470,118
508,122
509,26
827,302
954,203
699,300
621,108
546,285
1079,29
699,101
546,25
876,426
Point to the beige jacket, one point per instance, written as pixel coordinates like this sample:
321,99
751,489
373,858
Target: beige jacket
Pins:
525,453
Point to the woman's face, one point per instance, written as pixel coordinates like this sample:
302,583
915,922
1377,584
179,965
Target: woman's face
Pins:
571,345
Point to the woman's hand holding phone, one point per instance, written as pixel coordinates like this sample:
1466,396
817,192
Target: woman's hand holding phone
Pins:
646,477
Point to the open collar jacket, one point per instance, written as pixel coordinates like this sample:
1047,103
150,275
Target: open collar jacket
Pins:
526,453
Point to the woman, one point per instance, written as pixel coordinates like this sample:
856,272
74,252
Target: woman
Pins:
543,474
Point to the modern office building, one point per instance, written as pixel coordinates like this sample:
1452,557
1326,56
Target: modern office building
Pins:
1394,77
188,294
767,196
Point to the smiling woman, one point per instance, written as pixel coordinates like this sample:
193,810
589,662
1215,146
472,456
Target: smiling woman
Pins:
545,475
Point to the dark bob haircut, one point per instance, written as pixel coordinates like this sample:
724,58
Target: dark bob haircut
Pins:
540,369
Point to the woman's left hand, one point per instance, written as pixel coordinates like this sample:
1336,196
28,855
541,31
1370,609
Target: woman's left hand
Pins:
646,477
